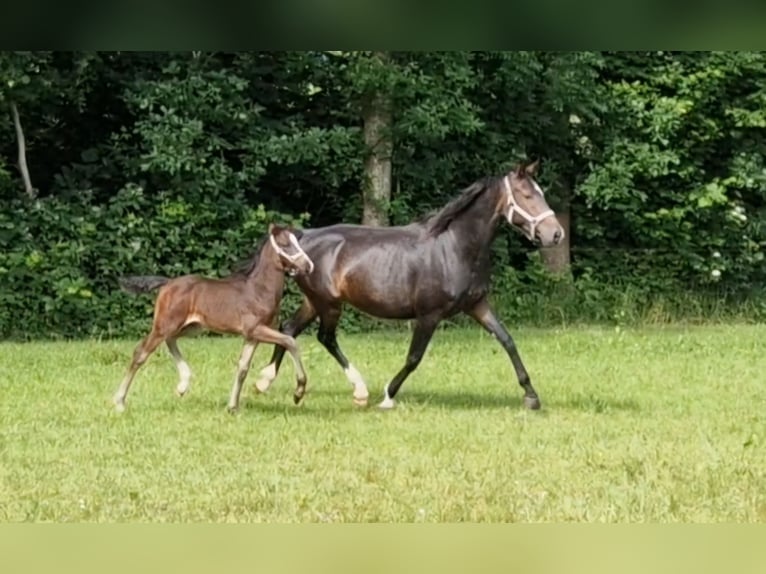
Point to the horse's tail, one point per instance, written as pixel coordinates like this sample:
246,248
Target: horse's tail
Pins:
142,283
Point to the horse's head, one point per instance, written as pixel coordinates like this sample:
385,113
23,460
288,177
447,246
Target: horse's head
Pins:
525,207
291,255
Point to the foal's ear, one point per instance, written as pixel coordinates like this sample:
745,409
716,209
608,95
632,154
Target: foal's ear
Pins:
271,229
531,169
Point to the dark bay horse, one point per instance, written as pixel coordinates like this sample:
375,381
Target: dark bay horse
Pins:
245,303
428,270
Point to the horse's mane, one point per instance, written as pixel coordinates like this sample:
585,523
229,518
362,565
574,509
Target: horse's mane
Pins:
437,222
246,266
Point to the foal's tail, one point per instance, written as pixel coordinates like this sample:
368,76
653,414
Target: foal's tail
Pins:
142,283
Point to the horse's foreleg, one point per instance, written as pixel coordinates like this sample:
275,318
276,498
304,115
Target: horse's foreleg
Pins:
141,353
243,366
483,314
269,335
424,331
184,372
292,327
328,323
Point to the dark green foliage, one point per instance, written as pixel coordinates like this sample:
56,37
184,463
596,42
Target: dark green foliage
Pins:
172,163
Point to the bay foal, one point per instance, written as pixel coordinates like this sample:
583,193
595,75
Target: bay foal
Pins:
244,303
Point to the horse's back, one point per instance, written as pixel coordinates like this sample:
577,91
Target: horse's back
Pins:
391,272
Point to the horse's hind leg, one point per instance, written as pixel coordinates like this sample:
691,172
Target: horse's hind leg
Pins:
292,328
243,366
184,372
328,324
142,352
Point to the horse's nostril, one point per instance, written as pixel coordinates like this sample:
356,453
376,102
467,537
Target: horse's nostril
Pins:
557,236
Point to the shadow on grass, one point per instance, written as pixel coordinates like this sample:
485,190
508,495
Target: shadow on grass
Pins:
467,400
253,405
315,403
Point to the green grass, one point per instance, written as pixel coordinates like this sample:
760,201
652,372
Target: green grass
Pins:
640,425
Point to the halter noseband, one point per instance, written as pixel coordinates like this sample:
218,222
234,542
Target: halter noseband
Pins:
514,207
292,258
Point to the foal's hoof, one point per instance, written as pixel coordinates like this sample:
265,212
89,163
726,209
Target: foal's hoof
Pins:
360,401
262,386
119,407
232,410
298,399
532,403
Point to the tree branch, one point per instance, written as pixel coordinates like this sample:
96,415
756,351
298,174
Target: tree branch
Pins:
22,153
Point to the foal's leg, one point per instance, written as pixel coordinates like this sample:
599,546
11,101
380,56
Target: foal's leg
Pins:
292,327
483,314
145,348
184,372
266,334
424,330
328,323
243,366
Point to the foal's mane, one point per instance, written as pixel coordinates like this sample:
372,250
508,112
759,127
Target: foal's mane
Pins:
437,222
244,267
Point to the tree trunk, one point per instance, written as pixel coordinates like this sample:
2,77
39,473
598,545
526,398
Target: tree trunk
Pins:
557,258
22,147
377,166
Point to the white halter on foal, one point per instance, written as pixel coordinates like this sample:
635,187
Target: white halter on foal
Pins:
292,258
514,207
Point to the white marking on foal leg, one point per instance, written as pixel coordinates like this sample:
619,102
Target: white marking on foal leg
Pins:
184,371
266,377
361,394
387,402
243,366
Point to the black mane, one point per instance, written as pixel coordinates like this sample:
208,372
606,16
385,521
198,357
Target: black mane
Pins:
246,266
437,222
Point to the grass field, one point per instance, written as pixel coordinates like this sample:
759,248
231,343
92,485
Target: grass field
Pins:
662,424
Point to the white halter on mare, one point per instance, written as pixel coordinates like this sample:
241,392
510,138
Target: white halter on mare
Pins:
514,207
292,258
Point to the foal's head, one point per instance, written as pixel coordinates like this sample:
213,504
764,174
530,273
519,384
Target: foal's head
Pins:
290,254
524,206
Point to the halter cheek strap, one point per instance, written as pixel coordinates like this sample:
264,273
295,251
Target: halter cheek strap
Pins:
295,256
514,207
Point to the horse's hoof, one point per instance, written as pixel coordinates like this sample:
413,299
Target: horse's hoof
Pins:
119,407
181,392
532,403
232,410
298,399
360,402
387,404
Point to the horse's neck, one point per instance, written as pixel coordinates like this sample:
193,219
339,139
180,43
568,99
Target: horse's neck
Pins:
475,229
266,276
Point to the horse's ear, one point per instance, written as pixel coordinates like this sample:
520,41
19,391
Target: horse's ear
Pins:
531,169
271,228
521,169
